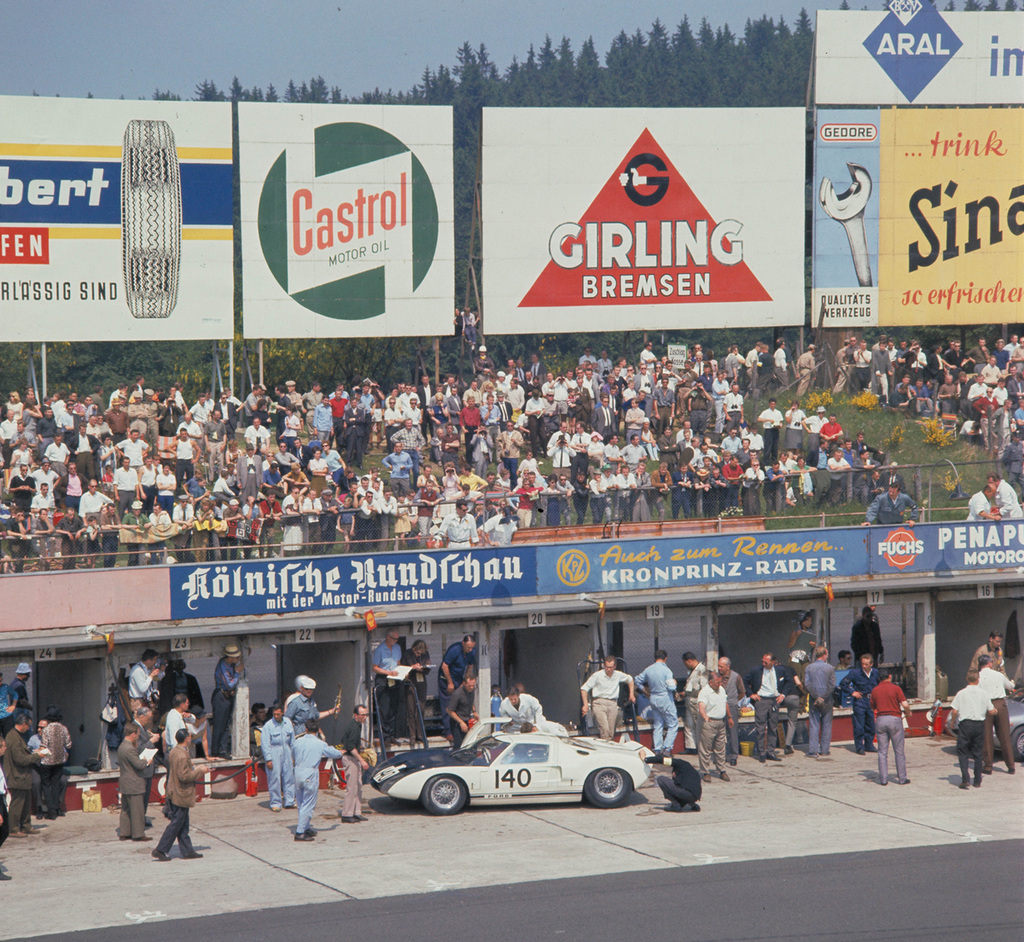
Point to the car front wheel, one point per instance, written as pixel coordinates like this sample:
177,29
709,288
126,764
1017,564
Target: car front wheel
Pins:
607,788
444,794
1017,740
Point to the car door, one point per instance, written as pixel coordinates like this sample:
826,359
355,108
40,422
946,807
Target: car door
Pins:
523,771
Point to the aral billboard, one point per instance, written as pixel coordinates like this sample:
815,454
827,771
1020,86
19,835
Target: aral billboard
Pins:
952,216
347,220
599,218
115,220
914,53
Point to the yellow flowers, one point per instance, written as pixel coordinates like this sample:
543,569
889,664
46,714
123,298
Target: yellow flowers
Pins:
865,401
935,434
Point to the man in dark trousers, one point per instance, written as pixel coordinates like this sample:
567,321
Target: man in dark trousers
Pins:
133,783
683,788
866,636
858,684
765,686
182,776
971,706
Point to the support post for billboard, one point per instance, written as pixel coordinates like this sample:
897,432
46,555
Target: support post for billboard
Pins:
231,367
260,350
32,379
437,362
474,259
42,361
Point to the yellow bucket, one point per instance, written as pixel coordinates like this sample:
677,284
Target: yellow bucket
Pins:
746,748
91,801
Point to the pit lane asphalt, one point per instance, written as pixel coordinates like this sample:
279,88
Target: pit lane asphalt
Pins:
802,849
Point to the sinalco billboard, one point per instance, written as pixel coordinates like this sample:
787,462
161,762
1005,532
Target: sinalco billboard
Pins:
347,220
596,219
115,220
912,52
919,216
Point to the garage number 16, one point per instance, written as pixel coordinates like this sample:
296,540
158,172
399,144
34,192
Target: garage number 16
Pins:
522,778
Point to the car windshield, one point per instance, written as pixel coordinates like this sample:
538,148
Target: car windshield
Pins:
480,753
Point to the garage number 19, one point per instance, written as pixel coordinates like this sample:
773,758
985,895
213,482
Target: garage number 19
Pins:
522,778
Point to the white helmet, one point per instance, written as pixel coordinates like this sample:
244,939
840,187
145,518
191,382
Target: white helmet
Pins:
305,683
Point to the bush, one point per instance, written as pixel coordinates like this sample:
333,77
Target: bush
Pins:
865,401
821,398
935,434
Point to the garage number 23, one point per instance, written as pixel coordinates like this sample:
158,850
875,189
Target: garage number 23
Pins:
522,778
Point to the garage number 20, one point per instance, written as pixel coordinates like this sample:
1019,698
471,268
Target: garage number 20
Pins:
522,778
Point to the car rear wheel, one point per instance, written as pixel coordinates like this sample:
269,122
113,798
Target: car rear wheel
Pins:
444,794
607,788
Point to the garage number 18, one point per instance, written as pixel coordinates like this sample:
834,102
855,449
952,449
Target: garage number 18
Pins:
522,778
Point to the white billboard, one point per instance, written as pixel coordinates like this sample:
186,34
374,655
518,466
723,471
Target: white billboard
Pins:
347,220
912,52
115,220
610,218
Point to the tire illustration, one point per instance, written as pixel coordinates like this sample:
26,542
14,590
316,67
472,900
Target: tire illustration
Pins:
444,794
607,788
150,219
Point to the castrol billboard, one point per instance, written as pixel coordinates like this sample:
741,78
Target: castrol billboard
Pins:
115,220
610,218
347,220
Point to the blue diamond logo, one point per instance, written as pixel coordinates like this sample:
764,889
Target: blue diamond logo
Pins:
912,49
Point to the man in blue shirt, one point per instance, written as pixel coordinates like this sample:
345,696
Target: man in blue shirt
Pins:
225,677
399,463
661,685
457,659
277,740
859,683
891,508
307,753
386,688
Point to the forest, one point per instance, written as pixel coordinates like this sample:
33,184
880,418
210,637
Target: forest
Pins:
767,64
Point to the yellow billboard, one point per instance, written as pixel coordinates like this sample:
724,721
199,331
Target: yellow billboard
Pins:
951,239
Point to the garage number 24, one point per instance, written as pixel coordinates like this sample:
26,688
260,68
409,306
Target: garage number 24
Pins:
522,778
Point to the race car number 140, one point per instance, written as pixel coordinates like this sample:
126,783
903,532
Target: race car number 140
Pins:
510,778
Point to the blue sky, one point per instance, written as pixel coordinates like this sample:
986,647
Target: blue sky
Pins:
114,47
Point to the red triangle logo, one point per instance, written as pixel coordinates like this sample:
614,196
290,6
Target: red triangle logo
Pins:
646,239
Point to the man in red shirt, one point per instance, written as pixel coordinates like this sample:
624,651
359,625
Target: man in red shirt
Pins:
831,432
889,704
338,402
527,493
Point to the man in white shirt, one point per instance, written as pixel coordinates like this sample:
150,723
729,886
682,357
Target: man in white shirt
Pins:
459,528
134,448
92,501
770,420
258,436
603,687
142,680
971,709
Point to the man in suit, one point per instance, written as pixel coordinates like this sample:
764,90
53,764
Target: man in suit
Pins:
535,373
182,776
765,684
147,738
605,420
18,762
133,784
426,392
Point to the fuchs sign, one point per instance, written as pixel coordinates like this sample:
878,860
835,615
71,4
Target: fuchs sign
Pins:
347,220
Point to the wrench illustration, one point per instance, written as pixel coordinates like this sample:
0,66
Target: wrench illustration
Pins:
848,208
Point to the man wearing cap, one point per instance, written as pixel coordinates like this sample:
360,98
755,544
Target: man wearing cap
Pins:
277,740
225,677
301,706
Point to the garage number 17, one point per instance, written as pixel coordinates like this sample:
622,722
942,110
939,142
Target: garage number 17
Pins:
522,778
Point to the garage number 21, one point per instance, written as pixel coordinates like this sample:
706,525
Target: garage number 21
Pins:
510,778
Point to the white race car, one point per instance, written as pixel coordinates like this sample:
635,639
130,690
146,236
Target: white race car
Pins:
497,767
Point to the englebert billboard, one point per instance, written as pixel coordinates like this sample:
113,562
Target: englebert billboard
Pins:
596,219
912,52
347,220
115,220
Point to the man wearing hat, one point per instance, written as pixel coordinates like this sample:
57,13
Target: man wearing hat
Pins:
301,706
19,696
138,526
805,367
892,507
225,678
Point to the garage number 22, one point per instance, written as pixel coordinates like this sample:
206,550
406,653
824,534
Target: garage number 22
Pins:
522,778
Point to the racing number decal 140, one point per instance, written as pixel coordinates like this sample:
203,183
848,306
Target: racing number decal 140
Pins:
510,778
